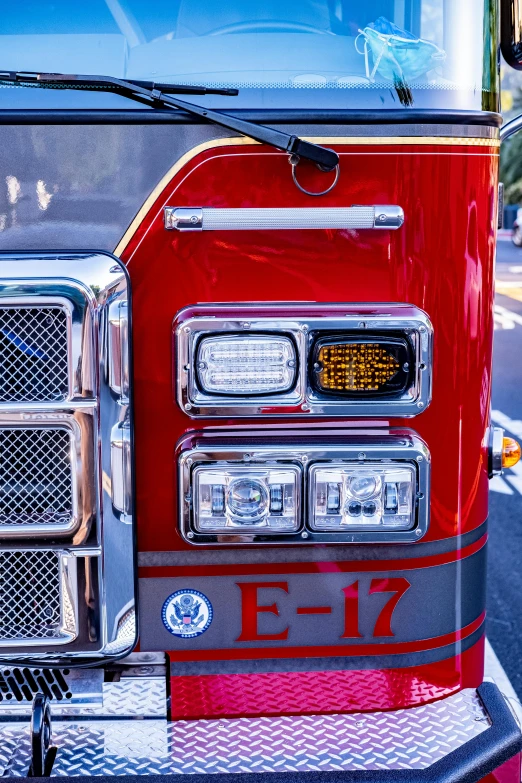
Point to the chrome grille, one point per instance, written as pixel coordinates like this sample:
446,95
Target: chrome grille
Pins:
35,477
33,354
30,595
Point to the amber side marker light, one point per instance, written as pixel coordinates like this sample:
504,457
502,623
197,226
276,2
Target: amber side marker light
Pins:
511,452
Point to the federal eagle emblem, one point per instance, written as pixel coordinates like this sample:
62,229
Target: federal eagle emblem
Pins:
187,613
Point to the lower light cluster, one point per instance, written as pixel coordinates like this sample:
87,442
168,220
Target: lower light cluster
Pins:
364,489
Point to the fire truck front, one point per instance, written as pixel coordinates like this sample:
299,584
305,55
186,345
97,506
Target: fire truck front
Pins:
246,319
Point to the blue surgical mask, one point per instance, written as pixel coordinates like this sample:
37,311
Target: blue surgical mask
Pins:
397,54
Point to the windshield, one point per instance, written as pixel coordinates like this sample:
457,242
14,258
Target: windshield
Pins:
294,54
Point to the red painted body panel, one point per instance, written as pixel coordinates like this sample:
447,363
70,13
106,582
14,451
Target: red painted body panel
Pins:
309,693
441,260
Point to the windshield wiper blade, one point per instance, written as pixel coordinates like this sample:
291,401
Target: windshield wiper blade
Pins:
86,81
154,95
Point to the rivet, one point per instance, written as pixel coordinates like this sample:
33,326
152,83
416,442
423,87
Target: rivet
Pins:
359,723
202,365
246,325
304,327
187,329
305,406
190,534
420,458
422,329
418,533
290,363
194,219
189,461
304,458
361,455
420,405
304,534
362,324
188,406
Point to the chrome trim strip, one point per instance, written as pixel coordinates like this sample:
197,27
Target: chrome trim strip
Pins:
403,446
302,400
100,550
389,217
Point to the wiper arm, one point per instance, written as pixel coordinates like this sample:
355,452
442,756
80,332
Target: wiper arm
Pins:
153,94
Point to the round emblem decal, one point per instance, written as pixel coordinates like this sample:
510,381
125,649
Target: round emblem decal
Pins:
187,613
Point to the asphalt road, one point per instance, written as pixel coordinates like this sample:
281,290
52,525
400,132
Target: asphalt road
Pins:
504,623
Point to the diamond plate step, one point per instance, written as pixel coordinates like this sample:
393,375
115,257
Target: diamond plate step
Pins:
406,739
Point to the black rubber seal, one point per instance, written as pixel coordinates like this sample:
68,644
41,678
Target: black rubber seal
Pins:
468,764
265,116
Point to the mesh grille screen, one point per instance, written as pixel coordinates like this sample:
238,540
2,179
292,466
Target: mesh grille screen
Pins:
33,354
35,477
29,595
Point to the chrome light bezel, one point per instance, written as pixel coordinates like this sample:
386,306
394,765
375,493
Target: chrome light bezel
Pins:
306,450
304,325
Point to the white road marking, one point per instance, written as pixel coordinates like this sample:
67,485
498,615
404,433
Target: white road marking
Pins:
515,270
497,484
495,672
506,319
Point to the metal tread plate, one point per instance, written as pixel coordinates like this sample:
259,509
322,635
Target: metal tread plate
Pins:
405,739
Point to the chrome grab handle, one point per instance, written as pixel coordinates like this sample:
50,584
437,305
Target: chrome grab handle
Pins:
217,219
121,476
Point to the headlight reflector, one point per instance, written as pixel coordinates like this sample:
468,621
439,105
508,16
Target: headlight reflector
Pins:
235,499
370,496
246,364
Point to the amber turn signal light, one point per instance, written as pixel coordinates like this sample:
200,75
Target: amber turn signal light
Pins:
511,452
351,365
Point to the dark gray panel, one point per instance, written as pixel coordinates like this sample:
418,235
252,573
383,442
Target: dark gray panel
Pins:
307,554
440,600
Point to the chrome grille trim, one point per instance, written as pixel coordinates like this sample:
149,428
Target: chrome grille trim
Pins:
37,597
34,353
37,480
58,519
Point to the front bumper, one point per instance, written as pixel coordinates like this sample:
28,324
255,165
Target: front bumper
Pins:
460,739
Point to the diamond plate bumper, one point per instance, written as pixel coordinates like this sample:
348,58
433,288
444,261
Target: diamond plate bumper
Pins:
455,740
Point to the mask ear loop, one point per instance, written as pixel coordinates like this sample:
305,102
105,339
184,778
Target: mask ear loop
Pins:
385,44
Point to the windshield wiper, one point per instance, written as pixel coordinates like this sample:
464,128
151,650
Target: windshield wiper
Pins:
157,95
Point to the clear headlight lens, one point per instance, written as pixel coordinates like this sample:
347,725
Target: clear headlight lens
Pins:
362,497
246,364
229,500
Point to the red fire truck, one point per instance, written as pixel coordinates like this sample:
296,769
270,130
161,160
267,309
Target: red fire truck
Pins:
246,319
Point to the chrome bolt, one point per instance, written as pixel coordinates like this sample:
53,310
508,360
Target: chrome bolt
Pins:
318,366
359,724
305,406
362,324
188,406
246,325
418,533
189,461
190,534
304,534
422,366
304,458
361,455
304,327
420,495
187,329
382,218
187,367
144,670
194,219
405,366
422,329
420,405
290,363
202,365
419,458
